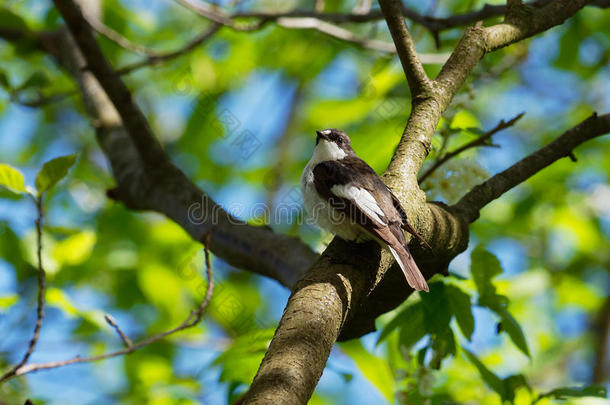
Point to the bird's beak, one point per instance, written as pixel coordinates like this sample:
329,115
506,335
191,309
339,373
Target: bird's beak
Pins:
319,136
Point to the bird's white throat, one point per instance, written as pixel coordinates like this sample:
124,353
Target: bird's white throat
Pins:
326,151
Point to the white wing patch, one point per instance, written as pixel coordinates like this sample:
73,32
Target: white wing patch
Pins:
362,198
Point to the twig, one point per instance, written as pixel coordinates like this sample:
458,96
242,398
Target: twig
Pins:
41,297
479,141
112,322
164,57
42,100
481,195
419,83
191,320
117,38
307,21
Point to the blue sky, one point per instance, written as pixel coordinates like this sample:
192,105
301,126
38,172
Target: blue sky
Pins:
262,105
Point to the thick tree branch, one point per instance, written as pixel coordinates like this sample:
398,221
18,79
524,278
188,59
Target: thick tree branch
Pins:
333,292
146,184
481,195
131,116
418,80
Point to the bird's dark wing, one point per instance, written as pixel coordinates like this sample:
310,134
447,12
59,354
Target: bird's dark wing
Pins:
405,222
357,191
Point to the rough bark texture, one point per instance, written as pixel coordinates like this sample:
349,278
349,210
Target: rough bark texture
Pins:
349,285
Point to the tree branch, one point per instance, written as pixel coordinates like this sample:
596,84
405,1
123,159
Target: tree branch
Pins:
156,184
131,116
481,195
308,329
40,297
433,24
479,141
191,320
160,57
419,83
289,21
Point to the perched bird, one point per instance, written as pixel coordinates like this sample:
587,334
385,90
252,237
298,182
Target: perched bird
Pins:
345,196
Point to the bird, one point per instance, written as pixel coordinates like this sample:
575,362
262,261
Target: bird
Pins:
344,195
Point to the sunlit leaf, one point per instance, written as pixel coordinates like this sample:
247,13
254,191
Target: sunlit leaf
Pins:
58,298
490,378
53,171
576,392
464,119
7,301
513,329
374,369
75,249
241,360
11,179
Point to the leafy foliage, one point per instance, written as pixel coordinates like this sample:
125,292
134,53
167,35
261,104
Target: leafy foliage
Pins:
461,343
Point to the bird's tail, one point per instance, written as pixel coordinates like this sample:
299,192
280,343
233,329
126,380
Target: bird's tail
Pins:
412,273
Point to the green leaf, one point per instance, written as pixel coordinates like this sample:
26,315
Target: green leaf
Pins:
484,267
437,313
12,179
374,369
241,360
490,378
75,249
513,329
36,79
9,19
4,82
405,317
462,309
53,171
465,120
7,301
576,392
443,345
412,329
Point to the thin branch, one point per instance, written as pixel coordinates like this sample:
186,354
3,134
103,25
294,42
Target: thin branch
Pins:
40,299
117,38
433,24
164,57
112,322
418,80
42,100
191,320
479,141
307,21
481,195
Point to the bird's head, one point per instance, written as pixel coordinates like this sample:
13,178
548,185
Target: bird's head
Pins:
333,143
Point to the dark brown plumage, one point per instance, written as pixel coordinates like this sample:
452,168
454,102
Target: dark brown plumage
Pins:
386,226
